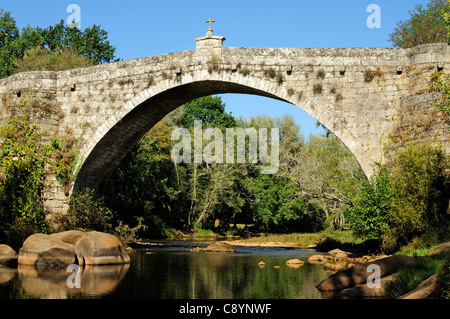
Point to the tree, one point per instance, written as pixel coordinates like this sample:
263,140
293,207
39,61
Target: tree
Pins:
426,25
91,43
407,198
210,110
9,48
420,177
326,173
370,216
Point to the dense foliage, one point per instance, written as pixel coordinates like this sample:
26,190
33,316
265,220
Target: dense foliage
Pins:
406,199
426,25
91,43
25,155
43,59
186,196
22,161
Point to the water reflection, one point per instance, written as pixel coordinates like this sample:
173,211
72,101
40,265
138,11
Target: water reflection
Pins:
181,275
173,272
6,274
95,281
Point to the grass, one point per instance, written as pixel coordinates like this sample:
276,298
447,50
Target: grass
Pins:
410,276
305,239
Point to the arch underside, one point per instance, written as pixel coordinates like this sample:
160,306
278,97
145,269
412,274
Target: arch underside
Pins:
120,139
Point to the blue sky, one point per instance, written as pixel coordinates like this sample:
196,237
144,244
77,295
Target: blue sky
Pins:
145,28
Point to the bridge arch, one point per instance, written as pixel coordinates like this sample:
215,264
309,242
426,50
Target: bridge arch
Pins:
121,131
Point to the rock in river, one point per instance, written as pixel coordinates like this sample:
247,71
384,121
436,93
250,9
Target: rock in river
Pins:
97,248
7,255
43,251
220,246
72,247
358,274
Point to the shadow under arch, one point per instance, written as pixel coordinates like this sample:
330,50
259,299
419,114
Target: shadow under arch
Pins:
116,137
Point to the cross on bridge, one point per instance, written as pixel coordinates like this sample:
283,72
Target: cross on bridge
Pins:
210,30
210,21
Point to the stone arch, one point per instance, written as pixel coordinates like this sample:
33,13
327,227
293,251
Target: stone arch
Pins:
121,131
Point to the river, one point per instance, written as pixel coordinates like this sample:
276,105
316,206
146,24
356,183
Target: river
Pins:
169,270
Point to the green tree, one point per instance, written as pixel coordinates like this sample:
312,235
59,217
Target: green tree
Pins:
426,25
419,175
407,198
210,110
9,48
325,172
91,43
370,216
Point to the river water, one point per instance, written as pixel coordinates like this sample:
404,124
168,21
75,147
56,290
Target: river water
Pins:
169,270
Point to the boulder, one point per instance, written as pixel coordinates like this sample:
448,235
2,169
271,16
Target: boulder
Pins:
69,237
364,291
341,256
220,246
358,274
423,291
45,251
95,248
7,255
295,263
72,247
319,259
439,249
337,251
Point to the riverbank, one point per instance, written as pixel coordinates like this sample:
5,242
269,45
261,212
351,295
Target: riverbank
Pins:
300,240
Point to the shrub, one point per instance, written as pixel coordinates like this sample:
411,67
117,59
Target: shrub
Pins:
406,199
86,212
271,73
317,88
440,83
43,59
369,75
320,75
442,289
127,234
22,161
64,157
370,216
420,178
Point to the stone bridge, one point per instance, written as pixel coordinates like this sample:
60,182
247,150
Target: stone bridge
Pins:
361,94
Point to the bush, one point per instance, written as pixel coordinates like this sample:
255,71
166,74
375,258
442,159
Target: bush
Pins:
86,212
419,176
370,216
406,199
127,234
22,161
443,280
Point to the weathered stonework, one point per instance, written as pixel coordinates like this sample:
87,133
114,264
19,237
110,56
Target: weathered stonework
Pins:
360,94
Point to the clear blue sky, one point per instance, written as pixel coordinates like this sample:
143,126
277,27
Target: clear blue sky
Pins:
145,28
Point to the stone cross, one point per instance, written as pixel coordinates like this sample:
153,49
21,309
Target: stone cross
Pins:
210,30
